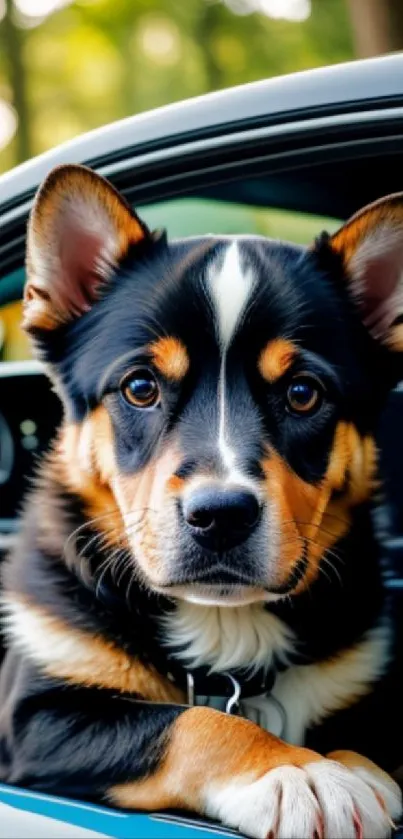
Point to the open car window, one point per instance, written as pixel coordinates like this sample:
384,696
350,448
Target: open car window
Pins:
180,217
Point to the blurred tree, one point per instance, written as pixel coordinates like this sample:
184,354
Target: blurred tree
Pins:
396,24
12,47
377,26
93,61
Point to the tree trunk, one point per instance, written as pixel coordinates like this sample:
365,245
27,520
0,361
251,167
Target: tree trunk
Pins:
377,26
396,23
12,46
206,29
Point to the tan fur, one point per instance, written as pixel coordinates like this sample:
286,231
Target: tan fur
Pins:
204,747
81,658
395,338
310,512
346,240
353,760
136,511
170,357
176,485
86,465
276,358
152,492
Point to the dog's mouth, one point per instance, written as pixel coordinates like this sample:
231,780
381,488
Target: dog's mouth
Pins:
215,595
216,585
222,586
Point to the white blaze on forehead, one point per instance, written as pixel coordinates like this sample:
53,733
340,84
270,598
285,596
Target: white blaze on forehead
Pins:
230,288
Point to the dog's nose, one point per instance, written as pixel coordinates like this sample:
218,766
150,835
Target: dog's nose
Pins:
220,519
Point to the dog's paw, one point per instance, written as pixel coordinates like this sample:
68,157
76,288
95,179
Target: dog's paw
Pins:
321,800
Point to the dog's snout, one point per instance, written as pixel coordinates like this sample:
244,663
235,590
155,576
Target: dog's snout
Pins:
221,518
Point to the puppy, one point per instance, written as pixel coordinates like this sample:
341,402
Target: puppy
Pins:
195,612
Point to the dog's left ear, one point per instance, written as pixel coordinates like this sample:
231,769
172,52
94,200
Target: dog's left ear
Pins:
370,246
79,230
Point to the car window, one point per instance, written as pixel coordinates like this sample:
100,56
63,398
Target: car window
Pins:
181,217
14,344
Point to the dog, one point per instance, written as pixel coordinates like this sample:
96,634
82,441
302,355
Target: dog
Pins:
195,613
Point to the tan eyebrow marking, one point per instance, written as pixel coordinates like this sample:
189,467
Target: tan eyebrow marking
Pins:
170,357
276,358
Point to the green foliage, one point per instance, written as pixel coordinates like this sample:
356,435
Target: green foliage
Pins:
95,61
197,216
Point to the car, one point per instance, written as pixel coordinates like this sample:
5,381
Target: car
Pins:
283,157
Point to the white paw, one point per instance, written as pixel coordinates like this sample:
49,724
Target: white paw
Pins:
324,799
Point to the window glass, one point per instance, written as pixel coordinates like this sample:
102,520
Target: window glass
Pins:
14,343
195,216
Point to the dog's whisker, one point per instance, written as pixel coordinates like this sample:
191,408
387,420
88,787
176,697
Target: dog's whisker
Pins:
110,531
126,563
319,530
338,519
324,574
330,564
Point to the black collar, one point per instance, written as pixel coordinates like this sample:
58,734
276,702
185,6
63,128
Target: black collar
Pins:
205,683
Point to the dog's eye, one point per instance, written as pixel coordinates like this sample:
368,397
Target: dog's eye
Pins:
140,389
304,394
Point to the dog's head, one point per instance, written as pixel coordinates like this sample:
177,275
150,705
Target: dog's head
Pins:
220,393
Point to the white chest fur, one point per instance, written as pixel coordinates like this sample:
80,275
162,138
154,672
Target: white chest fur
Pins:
226,638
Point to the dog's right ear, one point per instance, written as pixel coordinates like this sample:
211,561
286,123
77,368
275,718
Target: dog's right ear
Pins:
79,230
369,247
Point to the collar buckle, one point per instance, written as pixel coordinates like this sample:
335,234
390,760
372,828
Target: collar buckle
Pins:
232,703
232,706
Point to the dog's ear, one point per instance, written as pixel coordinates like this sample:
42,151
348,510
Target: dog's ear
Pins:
79,230
370,246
